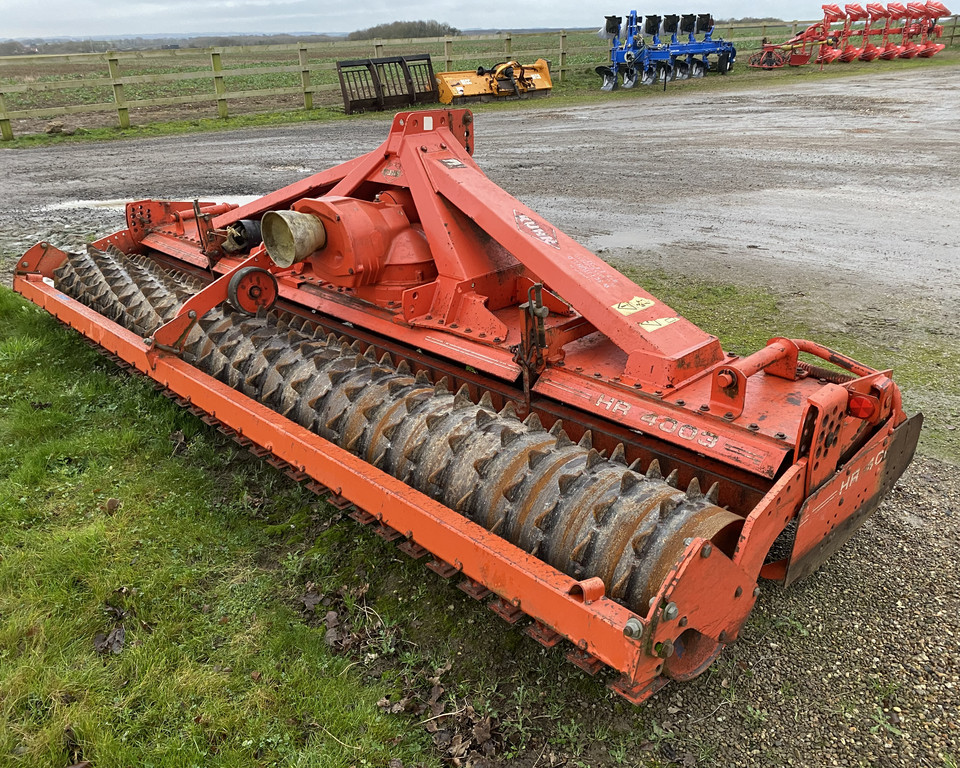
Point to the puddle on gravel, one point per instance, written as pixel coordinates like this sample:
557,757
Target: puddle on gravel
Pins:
119,205
72,205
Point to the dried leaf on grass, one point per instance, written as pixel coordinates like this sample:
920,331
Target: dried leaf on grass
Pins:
351,627
332,637
311,599
482,731
111,642
465,737
179,442
73,749
114,612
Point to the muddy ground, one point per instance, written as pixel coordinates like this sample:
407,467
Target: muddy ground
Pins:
842,197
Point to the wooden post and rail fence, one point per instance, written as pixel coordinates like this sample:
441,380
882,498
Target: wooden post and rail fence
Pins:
315,66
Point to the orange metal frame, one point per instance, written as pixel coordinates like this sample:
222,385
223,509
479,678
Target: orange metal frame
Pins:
611,353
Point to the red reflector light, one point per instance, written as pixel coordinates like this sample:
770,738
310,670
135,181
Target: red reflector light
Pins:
861,407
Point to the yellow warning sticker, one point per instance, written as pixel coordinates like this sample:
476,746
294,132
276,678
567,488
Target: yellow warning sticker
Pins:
653,325
636,304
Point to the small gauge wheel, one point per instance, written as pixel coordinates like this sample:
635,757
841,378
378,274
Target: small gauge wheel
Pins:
252,289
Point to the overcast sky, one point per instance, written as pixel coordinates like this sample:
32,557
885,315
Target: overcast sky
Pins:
105,18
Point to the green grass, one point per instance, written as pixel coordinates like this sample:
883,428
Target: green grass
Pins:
179,127
207,551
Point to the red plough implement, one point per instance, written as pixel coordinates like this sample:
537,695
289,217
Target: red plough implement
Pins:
402,334
858,34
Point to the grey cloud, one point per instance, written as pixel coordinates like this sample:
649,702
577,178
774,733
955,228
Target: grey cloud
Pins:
22,18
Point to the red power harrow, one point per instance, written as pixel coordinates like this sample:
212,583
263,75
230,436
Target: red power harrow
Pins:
413,341
858,34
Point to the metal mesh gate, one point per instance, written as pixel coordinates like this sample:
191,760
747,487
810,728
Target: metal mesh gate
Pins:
392,81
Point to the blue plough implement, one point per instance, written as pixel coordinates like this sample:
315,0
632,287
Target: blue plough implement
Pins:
635,59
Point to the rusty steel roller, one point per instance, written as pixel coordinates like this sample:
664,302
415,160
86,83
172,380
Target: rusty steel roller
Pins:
561,501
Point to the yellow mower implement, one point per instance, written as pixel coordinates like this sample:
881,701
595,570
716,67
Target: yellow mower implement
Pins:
507,80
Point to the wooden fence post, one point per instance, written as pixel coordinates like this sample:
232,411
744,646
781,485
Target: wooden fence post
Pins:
448,54
218,85
378,48
305,78
113,67
794,33
563,55
953,32
508,46
6,130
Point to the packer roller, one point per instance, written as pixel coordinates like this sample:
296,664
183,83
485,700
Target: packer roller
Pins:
407,338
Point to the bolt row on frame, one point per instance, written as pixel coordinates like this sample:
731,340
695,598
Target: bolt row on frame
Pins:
894,31
646,60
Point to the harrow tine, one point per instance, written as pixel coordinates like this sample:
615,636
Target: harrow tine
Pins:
509,613
361,516
543,634
475,589
413,550
585,661
387,533
635,693
319,489
442,569
336,500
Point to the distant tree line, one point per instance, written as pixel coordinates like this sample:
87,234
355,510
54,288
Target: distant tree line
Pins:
401,29
751,20
221,41
15,48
